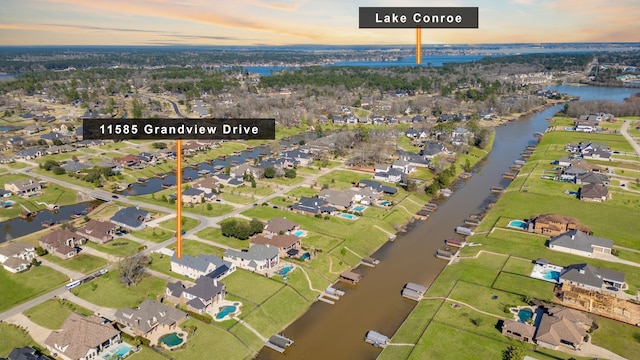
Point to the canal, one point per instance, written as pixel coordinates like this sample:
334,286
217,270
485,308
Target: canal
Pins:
337,331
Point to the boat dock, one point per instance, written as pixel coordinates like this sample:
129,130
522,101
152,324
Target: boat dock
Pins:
455,242
519,162
445,254
473,220
464,231
278,343
413,291
465,175
497,189
422,214
430,207
330,295
509,175
446,192
350,277
370,262
376,339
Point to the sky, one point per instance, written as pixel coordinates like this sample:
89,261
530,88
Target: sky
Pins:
288,22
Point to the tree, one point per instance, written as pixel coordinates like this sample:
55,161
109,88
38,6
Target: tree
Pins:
40,251
270,172
290,173
513,353
132,269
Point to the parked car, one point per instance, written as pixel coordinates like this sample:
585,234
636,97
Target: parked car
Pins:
103,271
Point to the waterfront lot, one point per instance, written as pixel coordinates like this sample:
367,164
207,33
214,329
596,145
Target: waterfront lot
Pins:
100,291
18,288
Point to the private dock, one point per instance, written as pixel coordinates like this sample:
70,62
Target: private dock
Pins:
444,254
464,231
473,220
376,339
509,175
142,180
204,172
278,343
465,175
330,295
422,214
414,291
516,167
446,192
455,242
519,162
350,277
497,189
430,207
392,237
370,262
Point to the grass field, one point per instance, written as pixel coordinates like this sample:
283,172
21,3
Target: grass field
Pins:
53,312
117,247
83,263
100,291
13,337
17,288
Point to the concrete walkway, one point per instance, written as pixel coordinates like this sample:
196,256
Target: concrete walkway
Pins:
624,130
37,332
73,275
98,310
264,339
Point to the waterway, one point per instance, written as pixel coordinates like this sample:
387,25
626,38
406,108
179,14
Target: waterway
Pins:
337,331
17,227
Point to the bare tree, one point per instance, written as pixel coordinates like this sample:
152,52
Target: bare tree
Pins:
132,269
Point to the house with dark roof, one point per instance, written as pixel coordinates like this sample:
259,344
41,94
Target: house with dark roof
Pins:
340,199
518,330
16,256
76,166
313,206
26,353
204,264
280,225
391,176
579,243
29,154
258,258
431,149
377,186
132,218
591,278
129,161
300,158
288,244
208,185
592,178
62,243
82,338
593,192
150,320
98,231
53,136
562,327
554,225
201,298
192,196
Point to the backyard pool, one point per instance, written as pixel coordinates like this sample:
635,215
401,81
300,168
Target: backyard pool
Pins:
519,224
347,216
300,233
305,256
359,208
384,203
524,315
226,310
117,352
551,275
172,339
7,203
285,270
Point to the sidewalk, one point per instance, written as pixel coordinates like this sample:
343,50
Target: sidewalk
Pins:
73,275
98,310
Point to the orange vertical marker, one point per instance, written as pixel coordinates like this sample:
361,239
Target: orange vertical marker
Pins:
179,199
418,46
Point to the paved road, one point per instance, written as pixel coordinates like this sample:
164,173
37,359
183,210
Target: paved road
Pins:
624,129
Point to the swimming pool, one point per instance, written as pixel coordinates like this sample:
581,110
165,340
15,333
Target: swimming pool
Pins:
384,203
359,208
524,315
551,275
347,216
285,270
300,233
171,340
519,224
305,256
117,351
226,310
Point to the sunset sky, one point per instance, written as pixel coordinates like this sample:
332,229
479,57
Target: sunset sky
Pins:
283,22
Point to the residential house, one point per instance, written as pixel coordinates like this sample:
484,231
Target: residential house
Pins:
338,120
245,169
62,243
79,132
432,149
60,128
129,161
414,160
341,200
597,153
26,353
301,158
594,192
151,317
578,243
554,225
32,129
312,206
27,187
403,166
257,258
201,298
279,226
208,185
518,330
562,327
592,278
16,141
192,196
592,178
30,154
460,136
585,126
98,231
76,166
565,161
391,176
287,245
204,264
147,157
16,257
131,218
52,137
82,338
377,187
228,180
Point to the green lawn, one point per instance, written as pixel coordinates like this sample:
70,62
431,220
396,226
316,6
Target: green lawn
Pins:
340,179
100,291
250,286
217,209
117,247
533,288
622,339
154,234
303,191
83,263
237,198
53,312
187,223
17,288
146,354
13,337
215,235
277,312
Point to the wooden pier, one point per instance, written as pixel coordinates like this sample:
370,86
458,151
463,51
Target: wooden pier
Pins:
413,291
509,175
497,189
278,343
455,242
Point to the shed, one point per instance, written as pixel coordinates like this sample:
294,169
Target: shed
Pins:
376,339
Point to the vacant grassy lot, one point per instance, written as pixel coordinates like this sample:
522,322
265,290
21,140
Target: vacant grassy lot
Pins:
83,263
13,337
118,247
17,288
53,312
100,291
250,286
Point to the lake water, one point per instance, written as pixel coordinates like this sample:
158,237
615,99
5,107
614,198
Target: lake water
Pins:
337,331
427,60
595,93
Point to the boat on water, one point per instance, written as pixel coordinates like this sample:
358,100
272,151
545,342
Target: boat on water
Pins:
48,223
166,185
161,176
76,215
142,180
